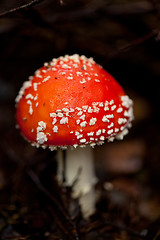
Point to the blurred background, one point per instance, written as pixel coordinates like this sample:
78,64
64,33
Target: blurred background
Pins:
124,37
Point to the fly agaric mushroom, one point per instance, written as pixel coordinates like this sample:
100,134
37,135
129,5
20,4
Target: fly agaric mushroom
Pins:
73,103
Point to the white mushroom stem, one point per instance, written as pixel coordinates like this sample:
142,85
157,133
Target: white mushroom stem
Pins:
80,171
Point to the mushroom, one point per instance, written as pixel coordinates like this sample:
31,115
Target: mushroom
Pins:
72,103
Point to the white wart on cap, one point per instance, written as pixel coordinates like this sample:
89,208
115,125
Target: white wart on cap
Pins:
72,101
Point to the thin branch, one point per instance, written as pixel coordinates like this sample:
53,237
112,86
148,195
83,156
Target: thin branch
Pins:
103,227
130,7
36,180
153,34
33,2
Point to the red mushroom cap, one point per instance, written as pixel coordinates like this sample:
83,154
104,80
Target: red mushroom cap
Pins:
72,101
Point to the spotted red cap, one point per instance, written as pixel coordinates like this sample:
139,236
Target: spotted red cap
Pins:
72,101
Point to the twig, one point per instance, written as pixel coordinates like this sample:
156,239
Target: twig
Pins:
15,237
153,33
33,2
131,7
94,226
36,180
64,166
73,233
76,177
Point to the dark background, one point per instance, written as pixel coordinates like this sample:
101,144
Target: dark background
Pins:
122,36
